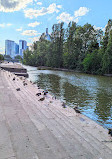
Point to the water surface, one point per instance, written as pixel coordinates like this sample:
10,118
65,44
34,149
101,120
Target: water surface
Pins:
93,94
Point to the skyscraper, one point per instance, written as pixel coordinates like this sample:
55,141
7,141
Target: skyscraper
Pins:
22,47
10,48
16,49
47,35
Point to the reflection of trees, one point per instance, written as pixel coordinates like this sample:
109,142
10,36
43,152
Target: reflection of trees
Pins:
50,82
74,94
103,105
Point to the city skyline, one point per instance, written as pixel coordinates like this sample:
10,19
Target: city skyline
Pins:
13,49
29,19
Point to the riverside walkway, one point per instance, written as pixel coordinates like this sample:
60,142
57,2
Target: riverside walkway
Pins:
35,129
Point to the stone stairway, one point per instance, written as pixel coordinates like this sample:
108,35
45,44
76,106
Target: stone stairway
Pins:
44,129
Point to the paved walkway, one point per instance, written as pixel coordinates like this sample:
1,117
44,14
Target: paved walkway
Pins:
33,129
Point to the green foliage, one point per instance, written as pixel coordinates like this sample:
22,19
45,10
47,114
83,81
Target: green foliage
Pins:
18,57
92,63
1,57
7,56
76,47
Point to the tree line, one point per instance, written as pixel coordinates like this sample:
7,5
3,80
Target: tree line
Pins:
76,47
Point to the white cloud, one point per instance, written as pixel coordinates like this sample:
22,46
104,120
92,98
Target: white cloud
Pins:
20,29
53,8
65,17
59,6
30,33
97,28
34,24
13,5
9,24
39,3
30,13
81,12
35,39
3,25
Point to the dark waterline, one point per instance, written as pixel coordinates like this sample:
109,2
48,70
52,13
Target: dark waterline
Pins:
93,94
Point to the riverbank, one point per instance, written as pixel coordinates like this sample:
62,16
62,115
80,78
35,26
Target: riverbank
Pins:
35,129
68,70
56,69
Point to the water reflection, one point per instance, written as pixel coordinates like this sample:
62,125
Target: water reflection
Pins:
93,94
74,95
103,105
50,82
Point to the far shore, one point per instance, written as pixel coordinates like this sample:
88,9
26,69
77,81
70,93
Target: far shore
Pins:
68,70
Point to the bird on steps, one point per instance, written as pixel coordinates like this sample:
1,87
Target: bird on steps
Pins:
14,79
45,92
110,131
18,89
24,84
63,104
38,94
41,99
77,110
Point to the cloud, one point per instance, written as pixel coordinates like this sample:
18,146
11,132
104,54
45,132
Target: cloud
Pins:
30,13
20,29
9,24
65,17
3,25
59,6
39,3
97,28
35,39
30,33
34,24
81,12
13,5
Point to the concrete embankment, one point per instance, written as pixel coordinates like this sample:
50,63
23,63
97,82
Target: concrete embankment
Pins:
17,69
31,128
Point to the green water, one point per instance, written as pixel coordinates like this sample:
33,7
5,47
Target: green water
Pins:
93,94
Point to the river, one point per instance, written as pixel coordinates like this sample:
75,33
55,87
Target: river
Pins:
92,93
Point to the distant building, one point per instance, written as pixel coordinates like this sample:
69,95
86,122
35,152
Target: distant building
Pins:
22,47
47,35
13,49
10,48
16,49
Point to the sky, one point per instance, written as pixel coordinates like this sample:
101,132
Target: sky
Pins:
28,19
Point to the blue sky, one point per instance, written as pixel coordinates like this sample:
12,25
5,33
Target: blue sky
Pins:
28,19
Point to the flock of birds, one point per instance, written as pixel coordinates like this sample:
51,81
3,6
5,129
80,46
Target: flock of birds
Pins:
76,108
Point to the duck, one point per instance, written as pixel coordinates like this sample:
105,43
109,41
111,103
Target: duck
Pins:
110,131
14,79
18,89
63,104
41,99
25,84
38,94
77,110
45,92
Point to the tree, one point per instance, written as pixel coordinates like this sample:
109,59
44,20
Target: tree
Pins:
91,63
107,34
18,57
1,57
56,53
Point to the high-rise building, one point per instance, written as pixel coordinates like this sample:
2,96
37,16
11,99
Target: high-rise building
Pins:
22,47
47,35
13,49
16,49
10,48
